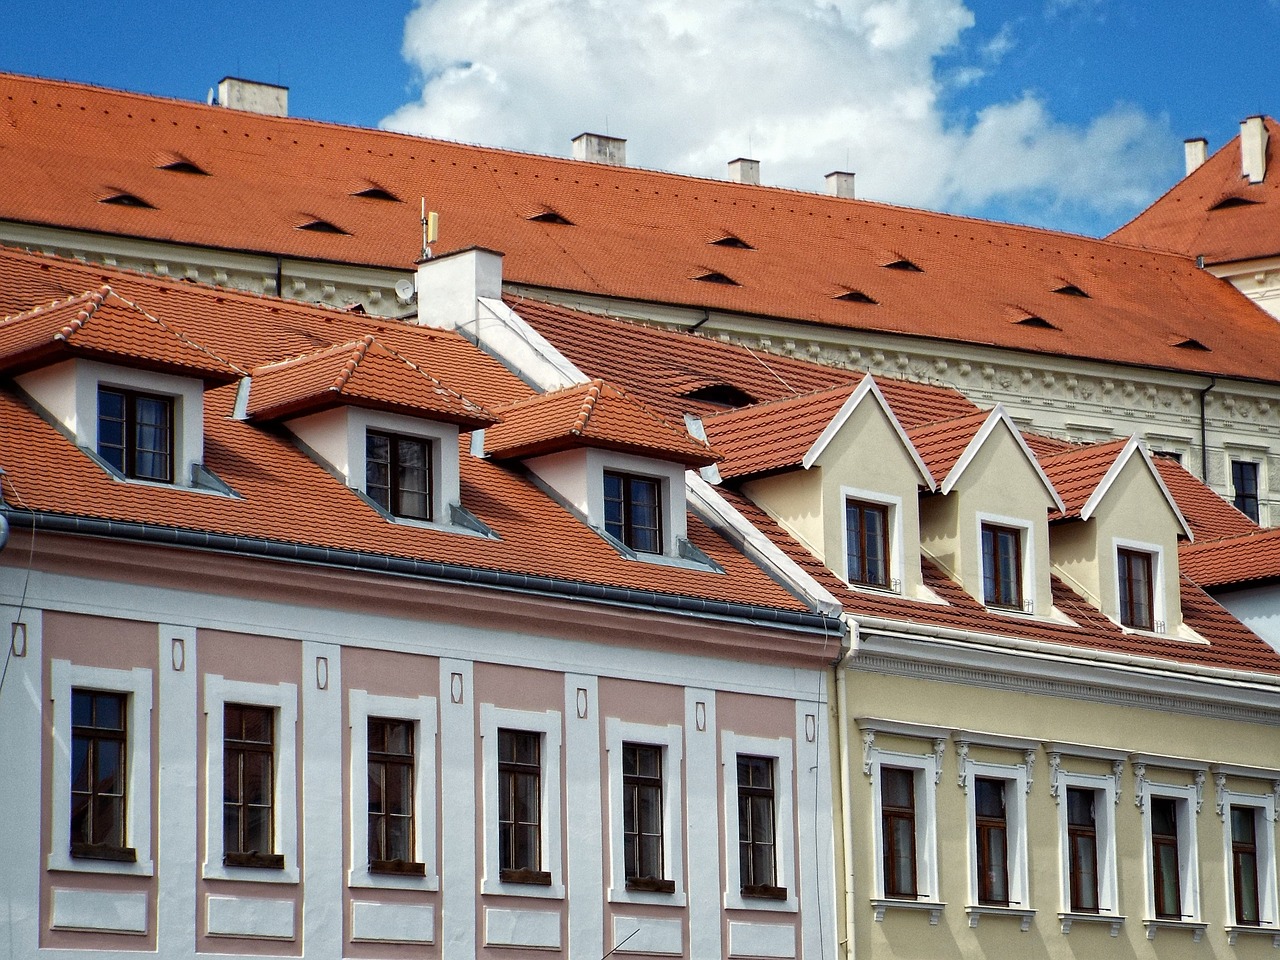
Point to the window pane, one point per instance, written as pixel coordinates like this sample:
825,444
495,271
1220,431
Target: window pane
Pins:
1080,807
1084,868
399,839
990,798
1242,825
897,787
257,831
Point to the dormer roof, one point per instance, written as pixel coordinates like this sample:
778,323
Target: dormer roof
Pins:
359,373
794,432
102,325
592,414
1083,478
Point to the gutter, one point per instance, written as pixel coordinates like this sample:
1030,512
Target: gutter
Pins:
367,562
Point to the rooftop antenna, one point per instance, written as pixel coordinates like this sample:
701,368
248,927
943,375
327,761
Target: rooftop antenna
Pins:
430,230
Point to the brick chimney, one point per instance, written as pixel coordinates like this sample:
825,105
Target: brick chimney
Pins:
840,184
600,148
743,170
1253,150
254,97
1196,151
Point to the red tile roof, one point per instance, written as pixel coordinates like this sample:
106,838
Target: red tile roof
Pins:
104,325
1075,474
773,436
362,373
1207,514
941,445
635,234
1214,212
1239,561
594,414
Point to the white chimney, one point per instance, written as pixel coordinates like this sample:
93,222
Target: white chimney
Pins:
599,148
840,184
450,286
1196,151
1253,150
743,170
264,98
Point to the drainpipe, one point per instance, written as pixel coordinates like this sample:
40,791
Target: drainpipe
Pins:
1204,433
279,278
842,726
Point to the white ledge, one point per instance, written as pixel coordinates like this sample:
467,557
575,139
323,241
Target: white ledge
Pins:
1196,927
932,907
1115,922
1234,931
977,911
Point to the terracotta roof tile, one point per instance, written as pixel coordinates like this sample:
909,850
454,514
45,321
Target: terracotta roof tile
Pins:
594,414
1238,561
1207,514
941,445
773,436
1075,474
636,234
362,373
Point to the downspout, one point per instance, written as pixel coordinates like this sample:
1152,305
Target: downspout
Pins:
1204,433
846,780
279,278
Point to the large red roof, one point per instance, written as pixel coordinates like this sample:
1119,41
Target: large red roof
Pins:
301,189
1240,561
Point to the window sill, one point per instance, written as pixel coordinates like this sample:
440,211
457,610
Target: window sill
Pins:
1250,929
977,911
764,892
931,907
254,861
537,878
650,885
1068,918
398,868
1196,927
94,851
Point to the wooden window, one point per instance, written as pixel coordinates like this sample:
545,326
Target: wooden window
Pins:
248,796
1244,864
391,784
757,828
1244,483
1133,569
1082,843
397,474
992,841
633,510
135,433
520,808
867,539
1002,566
898,831
1164,857
642,818
99,743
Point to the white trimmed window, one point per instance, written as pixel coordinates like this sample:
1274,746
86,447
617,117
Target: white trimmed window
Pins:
636,784
1086,845
1250,854
535,740
996,810
281,700
401,820
1006,563
758,795
1173,868
904,827
73,688
1139,578
872,539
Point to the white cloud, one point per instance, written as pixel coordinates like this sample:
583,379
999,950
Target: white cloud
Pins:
804,86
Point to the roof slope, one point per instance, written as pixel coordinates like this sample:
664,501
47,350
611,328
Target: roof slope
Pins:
1214,212
1207,514
1240,561
293,187
773,436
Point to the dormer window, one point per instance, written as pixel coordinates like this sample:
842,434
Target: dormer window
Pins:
867,543
1002,566
1134,569
398,474
633,510
135,433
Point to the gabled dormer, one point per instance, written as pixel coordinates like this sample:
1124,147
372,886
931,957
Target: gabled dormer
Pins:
988,523
837,471
378,421
126,386
609,457
1115,541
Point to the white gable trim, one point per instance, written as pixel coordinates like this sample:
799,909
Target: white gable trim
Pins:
1104,485
867,387
998,416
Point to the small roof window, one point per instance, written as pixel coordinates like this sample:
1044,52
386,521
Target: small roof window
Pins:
550,216
1033,321
1226,203
902,263
375,192
855,296
123,198
1187,343
322,226
183,165
729,240
717,277
1071,290
721,395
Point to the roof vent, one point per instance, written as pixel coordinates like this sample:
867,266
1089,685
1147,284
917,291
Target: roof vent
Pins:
716,277
855,296
1196,152
840,184
903,264
322,226
268,99
375,192
1253,149
550,216
180,164
1226,203
1188,343
1033,321
729,240
1071,290
743,170
122,198
600,148
721,395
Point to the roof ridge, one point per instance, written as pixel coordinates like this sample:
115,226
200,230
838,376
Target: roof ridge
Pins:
594,389
353,361
43,308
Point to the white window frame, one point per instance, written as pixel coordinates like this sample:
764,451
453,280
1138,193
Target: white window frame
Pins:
1015,807
548,725
442,446
421,712
782,752
926,772
670,478
1030,591
670,739
282,699
1159,602
1258,457
1264,806
64,676
1187,800
894,536
1103,787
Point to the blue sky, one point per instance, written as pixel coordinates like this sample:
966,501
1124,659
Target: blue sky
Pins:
1062,113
